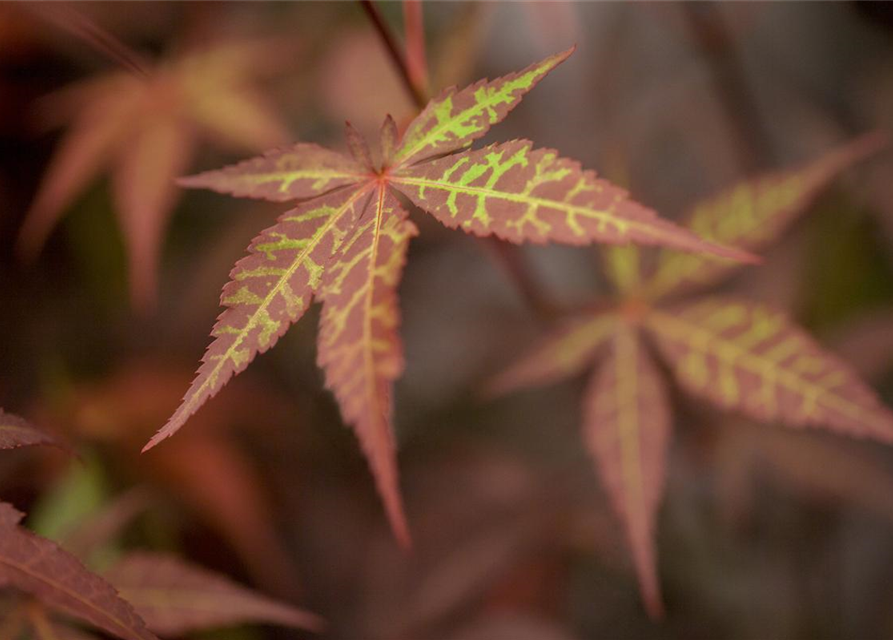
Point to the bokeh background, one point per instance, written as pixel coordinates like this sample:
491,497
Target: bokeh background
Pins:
763,533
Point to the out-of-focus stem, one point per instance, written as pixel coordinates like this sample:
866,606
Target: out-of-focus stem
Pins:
416,60
710,33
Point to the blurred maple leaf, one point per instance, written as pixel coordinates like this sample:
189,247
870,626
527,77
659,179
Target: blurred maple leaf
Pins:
817,468
58,579
208,472
346,243
737,354
15,433
144,128
151,592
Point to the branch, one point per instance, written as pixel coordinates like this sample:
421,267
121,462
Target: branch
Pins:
394,52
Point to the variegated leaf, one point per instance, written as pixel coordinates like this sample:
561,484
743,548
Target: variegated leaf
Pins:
145,193
523,194
293,173
359,347
240,117
149,123
82,154
454,119
564,353
745,356
627,429
269,290
55,577
752,214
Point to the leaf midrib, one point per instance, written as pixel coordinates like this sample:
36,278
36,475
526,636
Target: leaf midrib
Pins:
674,327
539,202
188,407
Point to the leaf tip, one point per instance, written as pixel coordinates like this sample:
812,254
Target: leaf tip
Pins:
153,442
654,607
191,182
730,252
561,56
393,504
163,434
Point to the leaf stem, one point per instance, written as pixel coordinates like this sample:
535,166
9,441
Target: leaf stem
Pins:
395,54
76,23
414,27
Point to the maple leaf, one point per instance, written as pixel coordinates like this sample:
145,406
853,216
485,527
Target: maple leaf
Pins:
346,241
737,354
175,597
627,427
59,580
15,432
144,129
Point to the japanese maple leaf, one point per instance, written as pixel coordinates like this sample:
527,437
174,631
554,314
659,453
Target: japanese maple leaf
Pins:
152,593
345,243
58,580
144,130
737,354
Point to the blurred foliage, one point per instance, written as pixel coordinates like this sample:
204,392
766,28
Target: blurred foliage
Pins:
763,533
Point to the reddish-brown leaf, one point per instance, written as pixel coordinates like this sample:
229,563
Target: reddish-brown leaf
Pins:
357,252
359,346
101,528
175,597
144,195
292,173
15,432
522,194
81,155
59,580
627,429
149,123
745,356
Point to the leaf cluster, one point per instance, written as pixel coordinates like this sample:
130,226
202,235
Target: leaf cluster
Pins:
346,240
140,595
737,354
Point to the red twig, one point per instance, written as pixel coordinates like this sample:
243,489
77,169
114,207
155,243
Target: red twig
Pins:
394,52
416,61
